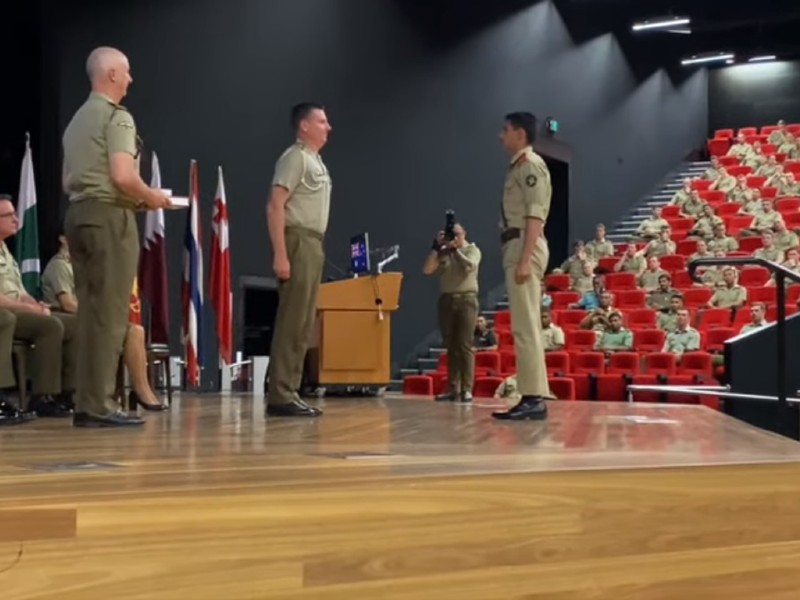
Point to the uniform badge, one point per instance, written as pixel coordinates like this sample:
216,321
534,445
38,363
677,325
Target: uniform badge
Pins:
124,124
531,180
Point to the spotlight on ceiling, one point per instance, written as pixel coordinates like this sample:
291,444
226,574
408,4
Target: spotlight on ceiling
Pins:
708,58
730,61
764,58
661,23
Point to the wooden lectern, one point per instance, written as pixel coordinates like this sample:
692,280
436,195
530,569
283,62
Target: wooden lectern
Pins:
352,337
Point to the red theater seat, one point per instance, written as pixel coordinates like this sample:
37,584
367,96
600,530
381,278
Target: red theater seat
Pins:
713,197
729,209
788,205
660,363
485,387
750,244
502,320
671,211
701,185
557,282
723,134
642,318
767,129
696,363
673,262
753,276
581,340
715,340
696,297
418,385
620,281
649,340
686,247
769,193
627,299
488,363
745,131
714,317
650,397
505,339
612,388
681,279
563,388
569,319
756,181
557,363
607,264
767,295
719,147
729,161
740,170
626,363
588,362
562,300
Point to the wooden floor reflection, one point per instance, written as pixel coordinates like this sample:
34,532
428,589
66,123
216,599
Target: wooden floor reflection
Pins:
401,498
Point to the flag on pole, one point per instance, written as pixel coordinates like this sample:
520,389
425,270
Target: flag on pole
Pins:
135,315
153,266
221,296
193,284
27,251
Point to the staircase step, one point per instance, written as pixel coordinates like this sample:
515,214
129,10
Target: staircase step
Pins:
407,371
426,364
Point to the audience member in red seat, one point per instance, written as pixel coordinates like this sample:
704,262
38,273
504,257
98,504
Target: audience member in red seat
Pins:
661,246
651,228
552,335
758,312
682,196
730,294
776,179
768,250
648,280
790,147
792,263
778,136
741,148
631,262
711,277
712,172
599,247
788,186
704,227
547,299
768,168
722,241
659,299
756,158
615,338
702,250
694,206
585,282
683,338
591,300
764,221
573,266
741,193
485,339
597,319
754,205
725,182
668,319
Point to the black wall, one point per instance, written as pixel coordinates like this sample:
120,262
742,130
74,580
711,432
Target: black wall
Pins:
415,123
754,94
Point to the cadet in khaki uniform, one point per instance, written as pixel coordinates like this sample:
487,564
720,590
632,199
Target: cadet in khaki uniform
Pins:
631,262
768,250
101,179
661,246
525,207
456,264
721,241
785,239
599,247
649,279
768,168
616,338
53,337
763,221
297,218
778,136
683,338
668,320
712,172
651,228
741,148
730,294
552,335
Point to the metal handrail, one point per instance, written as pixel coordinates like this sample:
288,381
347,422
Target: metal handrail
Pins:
781,274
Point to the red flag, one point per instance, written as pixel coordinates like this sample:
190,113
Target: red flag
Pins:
135,316
221,296
153,267
192,288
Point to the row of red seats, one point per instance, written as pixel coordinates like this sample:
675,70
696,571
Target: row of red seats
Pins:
627,300
751,131
787,207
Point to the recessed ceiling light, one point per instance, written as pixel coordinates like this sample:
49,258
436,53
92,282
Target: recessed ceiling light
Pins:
763,58
696,60
661,23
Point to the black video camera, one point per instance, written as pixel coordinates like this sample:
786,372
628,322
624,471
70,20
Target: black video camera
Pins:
449,225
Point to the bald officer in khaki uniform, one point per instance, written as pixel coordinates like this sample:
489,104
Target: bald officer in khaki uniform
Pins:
525,208
101,179
297,218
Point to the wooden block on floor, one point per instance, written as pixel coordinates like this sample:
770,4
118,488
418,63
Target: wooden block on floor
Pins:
28,524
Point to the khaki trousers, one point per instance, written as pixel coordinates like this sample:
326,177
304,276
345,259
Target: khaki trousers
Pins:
525,302
294,321
54,353
104,248
457,314
7,325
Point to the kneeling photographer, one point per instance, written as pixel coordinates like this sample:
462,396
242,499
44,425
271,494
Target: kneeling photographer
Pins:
455,261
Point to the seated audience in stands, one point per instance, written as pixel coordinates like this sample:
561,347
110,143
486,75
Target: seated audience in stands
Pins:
573,265
584,283
668,319
790,147
741,193
730,294
648,280
659,299
599,247
741,148
788,186
615,338
682,196
768,168
631,262
651,228
792,262
662,246
778,136
768,250
725,182
597,319
683,338
711,277
756,158
552,335
702,250
712,172
763,221
754,206
693,207
722,241
591,299
704,226
485,339
758,312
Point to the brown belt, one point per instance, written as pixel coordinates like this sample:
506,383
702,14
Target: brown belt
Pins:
510,234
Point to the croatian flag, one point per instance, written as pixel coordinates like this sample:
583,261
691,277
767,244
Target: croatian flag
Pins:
221,297
192,295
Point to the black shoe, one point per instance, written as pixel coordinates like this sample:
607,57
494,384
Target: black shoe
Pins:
64,399
465,397
530,408
11,415
116,419
44,405
447,397
297,408
134,400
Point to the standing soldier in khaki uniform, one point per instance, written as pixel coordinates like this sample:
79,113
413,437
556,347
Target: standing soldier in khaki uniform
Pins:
456,263
525,208
101,178
297,218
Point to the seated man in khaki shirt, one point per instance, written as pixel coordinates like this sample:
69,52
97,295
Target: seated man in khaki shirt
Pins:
765,221
553,335
648,280
661,246
730,294
58,291
52,337
769,251
650,228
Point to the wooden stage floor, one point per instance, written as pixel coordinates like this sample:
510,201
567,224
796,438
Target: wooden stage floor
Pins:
394,498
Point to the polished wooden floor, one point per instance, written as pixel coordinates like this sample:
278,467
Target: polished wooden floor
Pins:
401,498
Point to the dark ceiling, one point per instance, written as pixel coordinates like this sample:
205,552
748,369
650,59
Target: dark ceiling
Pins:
746,28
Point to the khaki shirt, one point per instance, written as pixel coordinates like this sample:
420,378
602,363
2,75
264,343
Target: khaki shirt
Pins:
693,208
726,244
752,326
753,207
789,149
767,170
697,255
553,338
508,389
99,129
621,340
681,197
57,279
705,225
679,342
711,173
740,150
661,300
712,277
583,284
775,254
740,195
789,189
767,220
658,248
573,266
726,184
777,138
668,321
652,226
458,271
301,171
597,250
10,276
754,160
727,297
649,279
787,239
637,264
